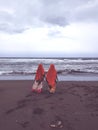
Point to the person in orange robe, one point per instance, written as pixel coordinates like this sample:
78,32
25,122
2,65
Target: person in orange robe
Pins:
51,78
39,77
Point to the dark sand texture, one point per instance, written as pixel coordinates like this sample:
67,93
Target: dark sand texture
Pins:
74,106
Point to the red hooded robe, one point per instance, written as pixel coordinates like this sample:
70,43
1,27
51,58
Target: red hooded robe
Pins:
39,73
51,76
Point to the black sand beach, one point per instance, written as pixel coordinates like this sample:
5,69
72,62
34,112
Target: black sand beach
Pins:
74,106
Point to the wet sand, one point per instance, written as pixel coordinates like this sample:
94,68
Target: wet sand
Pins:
74,106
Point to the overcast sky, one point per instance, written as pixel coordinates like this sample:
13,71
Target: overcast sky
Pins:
49,28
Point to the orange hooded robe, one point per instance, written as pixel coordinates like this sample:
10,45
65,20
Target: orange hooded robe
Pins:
51,76
40,73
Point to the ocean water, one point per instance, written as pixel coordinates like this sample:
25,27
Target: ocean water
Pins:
68,68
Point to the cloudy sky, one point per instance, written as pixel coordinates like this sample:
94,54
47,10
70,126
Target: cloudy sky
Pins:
49,28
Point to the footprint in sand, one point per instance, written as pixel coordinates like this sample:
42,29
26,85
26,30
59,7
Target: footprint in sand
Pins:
38,111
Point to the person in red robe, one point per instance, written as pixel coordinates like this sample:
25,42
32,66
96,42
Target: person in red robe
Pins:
39,77
51,78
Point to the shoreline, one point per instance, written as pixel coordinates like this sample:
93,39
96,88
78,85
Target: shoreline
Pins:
74,104
63,77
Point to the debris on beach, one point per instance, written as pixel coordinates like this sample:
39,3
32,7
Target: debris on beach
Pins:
22,123
52,125
56,124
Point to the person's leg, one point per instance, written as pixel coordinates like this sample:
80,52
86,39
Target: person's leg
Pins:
52,89
34,87
39,87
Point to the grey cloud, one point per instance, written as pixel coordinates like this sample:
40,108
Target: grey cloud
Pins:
63,12
8,24
5,27
54,13
88,12
58,34
61,21
54,33
17,16
66,3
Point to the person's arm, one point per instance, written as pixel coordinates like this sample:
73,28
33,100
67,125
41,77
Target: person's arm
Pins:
56,79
